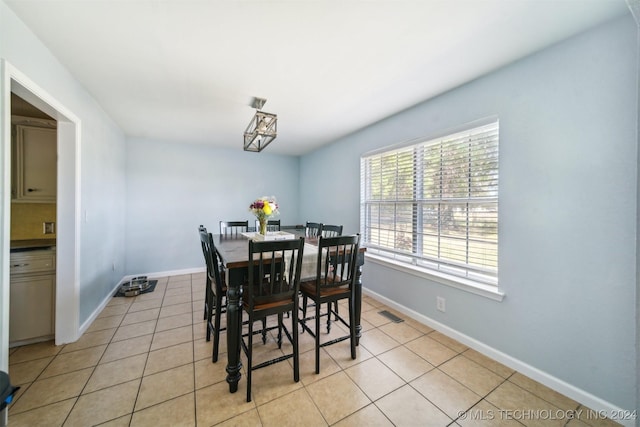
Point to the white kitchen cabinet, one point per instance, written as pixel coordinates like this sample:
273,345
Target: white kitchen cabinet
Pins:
32,297
34,161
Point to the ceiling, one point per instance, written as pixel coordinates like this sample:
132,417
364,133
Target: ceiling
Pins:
186,70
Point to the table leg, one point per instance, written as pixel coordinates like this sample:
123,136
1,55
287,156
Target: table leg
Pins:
358,297
234,331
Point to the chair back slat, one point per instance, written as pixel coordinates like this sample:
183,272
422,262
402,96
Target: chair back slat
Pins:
313,229
272,225
331,230
337,259
275,271
233,228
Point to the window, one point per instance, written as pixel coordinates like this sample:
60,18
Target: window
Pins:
434,204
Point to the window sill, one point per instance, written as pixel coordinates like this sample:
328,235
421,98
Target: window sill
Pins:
486,291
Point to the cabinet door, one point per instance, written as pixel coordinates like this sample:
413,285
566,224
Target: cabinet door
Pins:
31,304
36,164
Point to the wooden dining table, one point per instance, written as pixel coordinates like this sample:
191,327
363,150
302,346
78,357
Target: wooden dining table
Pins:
233,252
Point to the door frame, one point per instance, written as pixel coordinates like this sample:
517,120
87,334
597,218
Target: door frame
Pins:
67,301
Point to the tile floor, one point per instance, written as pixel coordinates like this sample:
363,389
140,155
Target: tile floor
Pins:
145,362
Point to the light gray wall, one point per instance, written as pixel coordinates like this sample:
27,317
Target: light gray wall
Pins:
567,227
101,162
172,188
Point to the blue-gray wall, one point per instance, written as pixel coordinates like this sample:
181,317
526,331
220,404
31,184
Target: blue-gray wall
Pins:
174,187
102,172
568,164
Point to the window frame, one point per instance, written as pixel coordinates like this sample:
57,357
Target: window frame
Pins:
480,202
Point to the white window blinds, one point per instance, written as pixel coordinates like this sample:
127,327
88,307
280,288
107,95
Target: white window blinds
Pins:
435,204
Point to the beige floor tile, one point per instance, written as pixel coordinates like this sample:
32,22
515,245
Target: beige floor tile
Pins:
172,337
543,392
407,407
215,404
165,385
34,351
328,366
104,405
431,350
26,372
50,415
375,318
250,418
178,299
478,378
118,422
515,399
447,394
374,386
341,353
135,330
293,409
169,357
50,390
172,310
272,382
488,363
208,373
120,301
419,326
337,397
453,344
145,305
405,363
105,323
116,372
170,322
113,310
376,341
126,348
176,412
369,416
141,316
74,361
401,332
90,339
485,414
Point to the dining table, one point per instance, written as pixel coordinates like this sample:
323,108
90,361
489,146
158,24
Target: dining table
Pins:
233,253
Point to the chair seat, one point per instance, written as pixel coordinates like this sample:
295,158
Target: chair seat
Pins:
309,289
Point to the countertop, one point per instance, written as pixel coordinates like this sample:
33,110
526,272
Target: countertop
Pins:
31,244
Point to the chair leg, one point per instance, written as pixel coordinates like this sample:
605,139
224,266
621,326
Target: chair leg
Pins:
304,311
352,327
296,353
249,357
279,330
264,330
216,329
328,317
317,338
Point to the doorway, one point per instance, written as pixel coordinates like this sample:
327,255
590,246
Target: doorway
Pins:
67,212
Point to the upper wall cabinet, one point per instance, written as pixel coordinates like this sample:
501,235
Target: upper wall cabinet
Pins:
34,160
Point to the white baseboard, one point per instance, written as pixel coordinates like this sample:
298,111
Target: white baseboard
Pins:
581,396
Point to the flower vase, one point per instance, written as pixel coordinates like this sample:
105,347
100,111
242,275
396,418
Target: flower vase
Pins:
263,226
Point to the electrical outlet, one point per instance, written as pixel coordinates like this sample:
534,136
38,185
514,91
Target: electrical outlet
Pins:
440,304
48,227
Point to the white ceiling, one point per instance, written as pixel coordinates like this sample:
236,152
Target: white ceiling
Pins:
186,70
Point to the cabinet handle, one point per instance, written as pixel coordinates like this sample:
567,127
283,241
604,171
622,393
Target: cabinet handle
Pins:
20,265
31,190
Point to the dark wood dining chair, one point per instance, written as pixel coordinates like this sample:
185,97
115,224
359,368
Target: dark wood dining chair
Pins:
313,229
202,231
335,281
233,228
216,294
272,288
272,225
331,230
